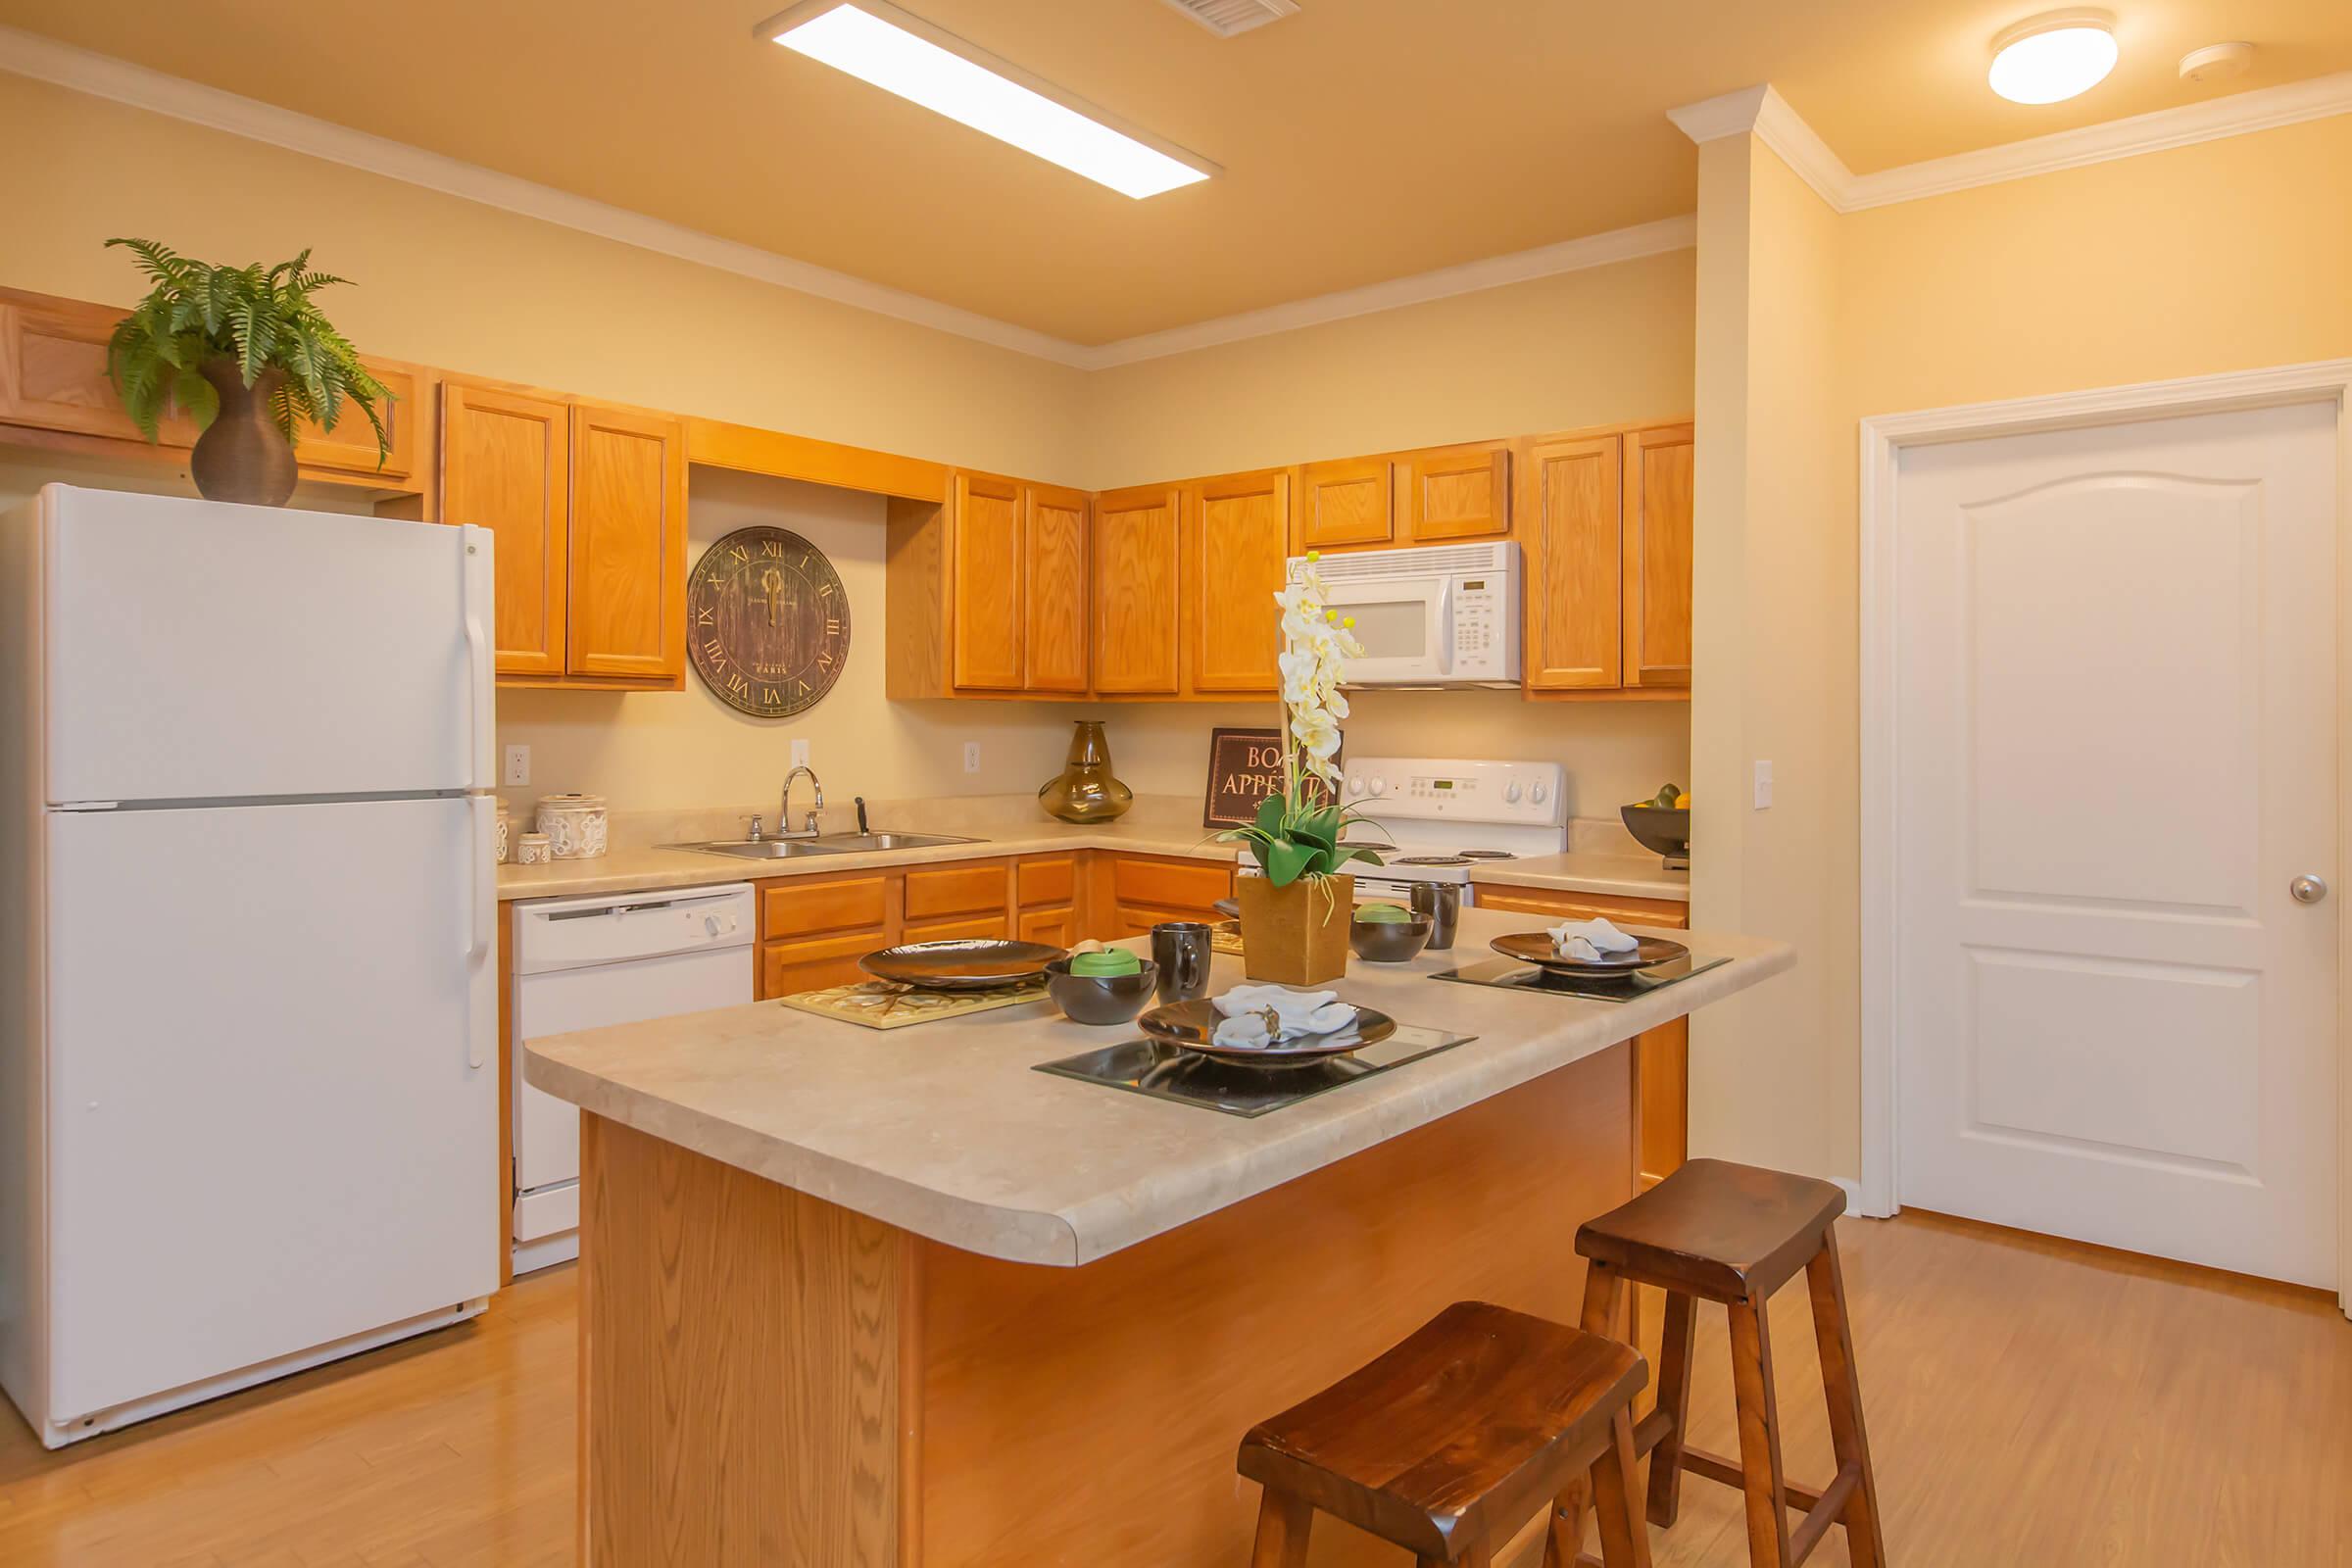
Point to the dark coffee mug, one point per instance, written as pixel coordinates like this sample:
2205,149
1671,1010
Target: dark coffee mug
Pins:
1441,902
1181,948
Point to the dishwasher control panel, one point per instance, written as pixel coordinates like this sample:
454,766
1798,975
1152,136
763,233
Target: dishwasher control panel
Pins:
571,933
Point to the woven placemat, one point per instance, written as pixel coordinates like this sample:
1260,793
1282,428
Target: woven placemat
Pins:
882,1004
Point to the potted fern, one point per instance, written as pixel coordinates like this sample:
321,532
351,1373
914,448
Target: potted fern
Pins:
248,355
1295,915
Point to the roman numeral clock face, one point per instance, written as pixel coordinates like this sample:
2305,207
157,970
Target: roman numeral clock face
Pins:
767,622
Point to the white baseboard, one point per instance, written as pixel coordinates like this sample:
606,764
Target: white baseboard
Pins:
1853,1193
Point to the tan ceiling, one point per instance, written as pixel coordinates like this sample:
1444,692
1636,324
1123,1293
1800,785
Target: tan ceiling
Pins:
1361,139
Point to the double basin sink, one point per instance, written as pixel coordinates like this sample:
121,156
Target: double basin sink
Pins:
822,844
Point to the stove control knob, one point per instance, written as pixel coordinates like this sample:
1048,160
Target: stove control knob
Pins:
1379,786
1355,784
1541,794
1510,792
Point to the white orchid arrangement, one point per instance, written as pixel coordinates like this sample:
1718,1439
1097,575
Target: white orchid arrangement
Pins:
1296,833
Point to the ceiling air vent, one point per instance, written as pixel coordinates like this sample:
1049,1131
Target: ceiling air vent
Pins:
1225,18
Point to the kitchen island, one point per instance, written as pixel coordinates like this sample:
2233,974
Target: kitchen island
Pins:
854,1297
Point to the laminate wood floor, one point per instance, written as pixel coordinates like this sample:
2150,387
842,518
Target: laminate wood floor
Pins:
2029,1403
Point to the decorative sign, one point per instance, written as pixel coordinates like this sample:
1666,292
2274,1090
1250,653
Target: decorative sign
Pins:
767,621
1245,770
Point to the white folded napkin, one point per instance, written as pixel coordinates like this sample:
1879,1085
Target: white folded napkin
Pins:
1245,1023
1586,941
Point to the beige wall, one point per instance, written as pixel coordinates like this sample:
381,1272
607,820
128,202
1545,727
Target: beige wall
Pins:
1606,345
2229,254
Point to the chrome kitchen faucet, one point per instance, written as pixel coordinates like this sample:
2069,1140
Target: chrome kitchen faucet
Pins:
784,811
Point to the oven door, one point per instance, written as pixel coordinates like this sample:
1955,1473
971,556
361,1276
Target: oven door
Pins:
1406,627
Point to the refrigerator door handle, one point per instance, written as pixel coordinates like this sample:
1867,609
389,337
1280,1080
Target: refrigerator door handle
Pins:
480,589
482,898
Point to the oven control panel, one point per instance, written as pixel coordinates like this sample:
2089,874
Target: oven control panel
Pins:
1453,789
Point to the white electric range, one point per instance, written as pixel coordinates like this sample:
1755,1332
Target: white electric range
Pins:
1447,815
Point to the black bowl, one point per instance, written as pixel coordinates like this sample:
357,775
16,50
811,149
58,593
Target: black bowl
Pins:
1101,999
1390,941
1662,829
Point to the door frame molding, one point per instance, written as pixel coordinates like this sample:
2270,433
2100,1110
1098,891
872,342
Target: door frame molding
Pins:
1883,439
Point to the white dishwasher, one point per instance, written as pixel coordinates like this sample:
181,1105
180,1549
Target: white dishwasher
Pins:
581,963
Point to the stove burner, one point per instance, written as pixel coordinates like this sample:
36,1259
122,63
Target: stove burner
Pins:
1487,854
1433,859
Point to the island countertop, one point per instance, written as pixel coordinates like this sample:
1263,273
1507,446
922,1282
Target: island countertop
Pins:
946,1130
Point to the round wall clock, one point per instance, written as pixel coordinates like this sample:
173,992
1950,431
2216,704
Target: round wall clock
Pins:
767,621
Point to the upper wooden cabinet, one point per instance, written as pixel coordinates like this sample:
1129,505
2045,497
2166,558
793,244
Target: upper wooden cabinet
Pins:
1234,556
987,562
1055,624
1344,503
350,447
1137,612
588,504
1449,493
627,538
1657,557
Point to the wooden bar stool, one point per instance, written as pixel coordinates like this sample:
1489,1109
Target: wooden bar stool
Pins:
1456,1437
1735,1234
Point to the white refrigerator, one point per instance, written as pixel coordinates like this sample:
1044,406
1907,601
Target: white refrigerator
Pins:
247,1091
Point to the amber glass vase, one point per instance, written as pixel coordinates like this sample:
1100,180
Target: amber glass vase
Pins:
1084,791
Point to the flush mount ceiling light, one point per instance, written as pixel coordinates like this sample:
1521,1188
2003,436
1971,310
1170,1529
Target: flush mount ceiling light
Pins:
2053,57
901,53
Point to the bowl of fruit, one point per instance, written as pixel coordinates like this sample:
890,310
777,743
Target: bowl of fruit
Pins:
1663,824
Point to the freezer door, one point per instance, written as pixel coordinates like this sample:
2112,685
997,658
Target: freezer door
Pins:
268,1128
201,651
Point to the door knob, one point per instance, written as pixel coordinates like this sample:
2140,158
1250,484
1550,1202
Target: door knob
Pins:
2308,889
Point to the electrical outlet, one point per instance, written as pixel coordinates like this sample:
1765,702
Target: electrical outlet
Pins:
518,765
1763,785
800,753
972,757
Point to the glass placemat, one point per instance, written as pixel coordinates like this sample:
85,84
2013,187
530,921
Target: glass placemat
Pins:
1165,1072
1509,974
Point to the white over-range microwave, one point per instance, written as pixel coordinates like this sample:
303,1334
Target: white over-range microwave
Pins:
1440,615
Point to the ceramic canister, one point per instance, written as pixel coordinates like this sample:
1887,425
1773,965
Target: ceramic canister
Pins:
506,834
575,825
530,848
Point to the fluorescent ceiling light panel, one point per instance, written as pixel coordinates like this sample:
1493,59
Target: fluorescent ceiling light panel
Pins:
903,54
2053,57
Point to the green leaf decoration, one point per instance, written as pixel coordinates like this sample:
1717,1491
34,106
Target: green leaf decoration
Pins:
263,318
1285,861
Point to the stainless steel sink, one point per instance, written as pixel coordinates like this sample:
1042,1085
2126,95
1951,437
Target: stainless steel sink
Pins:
758,849
863,843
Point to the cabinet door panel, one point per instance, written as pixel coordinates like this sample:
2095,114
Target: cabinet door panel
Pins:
1054,617
1344,503
1456,492
1240,537
628,545
52,373
1051,880
986,575
1171,885
506,466
787,968
956,890
1573,563
961,928
794,907
350,447
1136,552
1657,557
1055,927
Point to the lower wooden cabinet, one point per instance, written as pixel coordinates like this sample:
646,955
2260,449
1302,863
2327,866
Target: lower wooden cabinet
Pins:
1665,1050
812,931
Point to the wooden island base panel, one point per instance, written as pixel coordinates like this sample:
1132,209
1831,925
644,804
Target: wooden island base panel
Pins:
768,1378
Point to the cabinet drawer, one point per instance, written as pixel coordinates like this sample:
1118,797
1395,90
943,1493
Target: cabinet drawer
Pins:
1171,885
793,907
1048,881
787,967
956,890
989,927
1586,905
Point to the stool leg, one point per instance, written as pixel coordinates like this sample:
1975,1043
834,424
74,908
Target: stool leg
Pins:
1674,1398
1602,1290
1825,1280
1760,1438
1282,1526
1624,1538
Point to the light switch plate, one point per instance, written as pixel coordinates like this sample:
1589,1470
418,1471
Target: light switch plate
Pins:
518,765
800,753
1763,785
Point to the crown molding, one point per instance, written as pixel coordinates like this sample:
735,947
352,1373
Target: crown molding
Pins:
1763,111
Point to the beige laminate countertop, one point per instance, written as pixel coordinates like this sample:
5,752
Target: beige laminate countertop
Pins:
644,870
945,1129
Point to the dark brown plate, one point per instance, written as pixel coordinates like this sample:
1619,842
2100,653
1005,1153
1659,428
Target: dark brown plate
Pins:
968,963
1535,947
1189,1026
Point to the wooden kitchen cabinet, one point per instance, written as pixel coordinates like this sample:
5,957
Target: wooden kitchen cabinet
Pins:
1449,493
965,900
1055,624
1133,892
985,574
1136,607
350,447
1658,467
812,931
506,466
1344,503
1235,560
1045,899
1665,1050
627,539
1570,564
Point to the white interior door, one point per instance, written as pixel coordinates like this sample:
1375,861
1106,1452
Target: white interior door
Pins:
2115,753
273,1093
